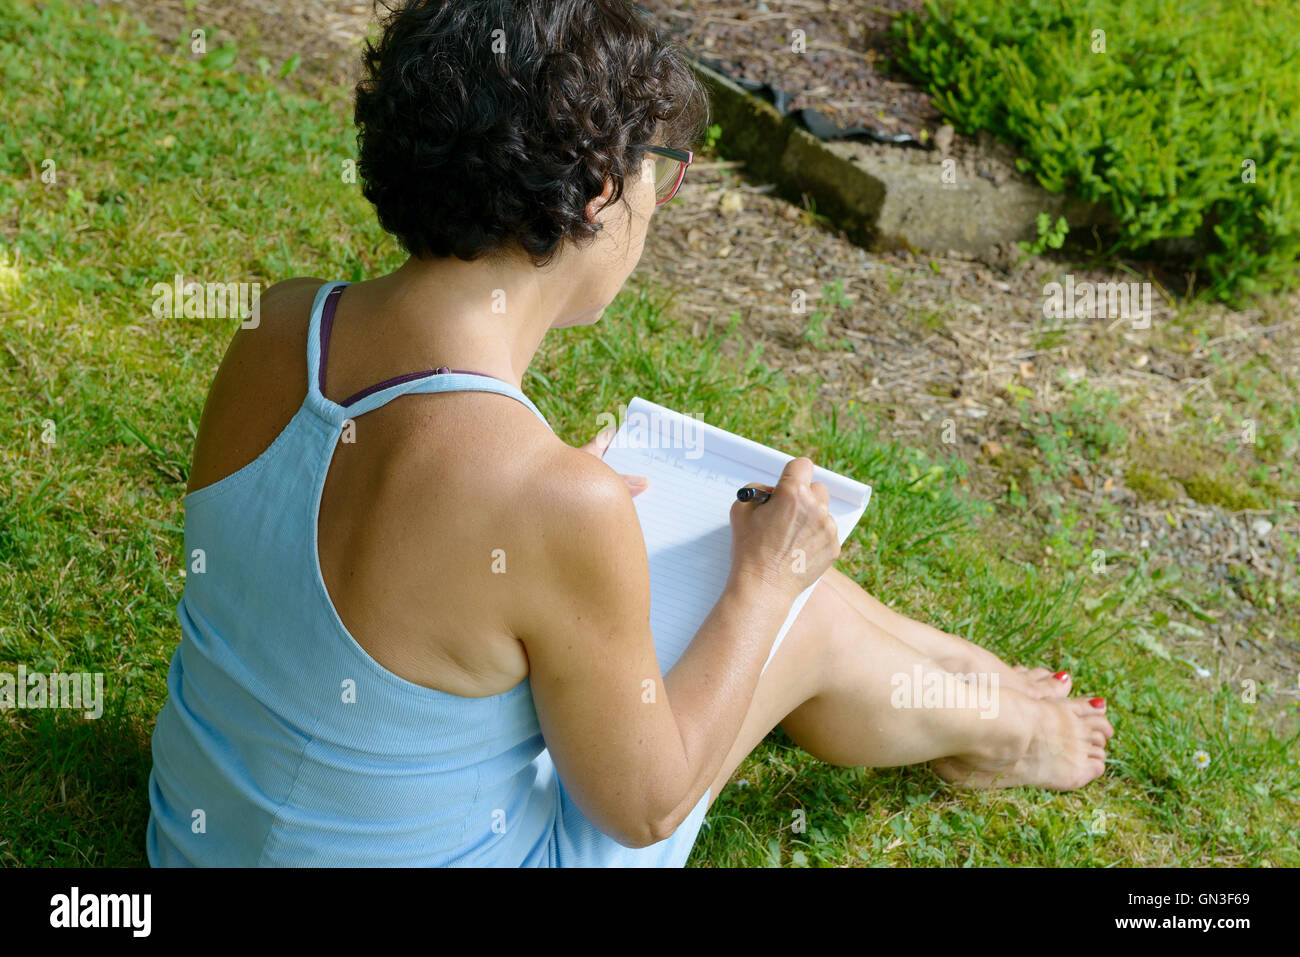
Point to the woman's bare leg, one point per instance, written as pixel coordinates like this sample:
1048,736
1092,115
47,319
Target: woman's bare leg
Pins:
952,652
831,686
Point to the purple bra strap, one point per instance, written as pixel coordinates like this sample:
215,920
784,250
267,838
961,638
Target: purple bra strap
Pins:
397,380
327,325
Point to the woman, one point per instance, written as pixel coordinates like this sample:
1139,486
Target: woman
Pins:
415,624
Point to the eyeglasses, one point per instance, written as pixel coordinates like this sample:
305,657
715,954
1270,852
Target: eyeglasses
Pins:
670,170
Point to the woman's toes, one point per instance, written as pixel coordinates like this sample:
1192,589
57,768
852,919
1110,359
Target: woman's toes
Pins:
1041,683
1098,722
1056,684
1082,707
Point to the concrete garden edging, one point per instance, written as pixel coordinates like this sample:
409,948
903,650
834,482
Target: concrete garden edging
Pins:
883,201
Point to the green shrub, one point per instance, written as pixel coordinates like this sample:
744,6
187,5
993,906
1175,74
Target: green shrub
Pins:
1163,110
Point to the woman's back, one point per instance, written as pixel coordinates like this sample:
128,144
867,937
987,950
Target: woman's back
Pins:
287,715
304,724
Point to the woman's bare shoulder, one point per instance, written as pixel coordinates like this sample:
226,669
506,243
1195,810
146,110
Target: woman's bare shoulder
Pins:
275,348
297,284
258,385
579,524
573,482
291,298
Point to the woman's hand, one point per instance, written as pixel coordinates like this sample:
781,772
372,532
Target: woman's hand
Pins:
789,541
597,446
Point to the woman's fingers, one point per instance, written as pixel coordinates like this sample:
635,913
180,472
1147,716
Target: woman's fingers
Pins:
823,494
798,471
600,442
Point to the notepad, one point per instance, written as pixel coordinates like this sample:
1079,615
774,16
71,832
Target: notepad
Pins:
694,470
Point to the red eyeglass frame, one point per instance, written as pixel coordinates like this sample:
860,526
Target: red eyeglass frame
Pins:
685,157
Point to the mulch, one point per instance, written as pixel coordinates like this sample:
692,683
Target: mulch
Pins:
840,70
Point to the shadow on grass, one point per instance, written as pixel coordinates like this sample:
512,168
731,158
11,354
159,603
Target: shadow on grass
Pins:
82,784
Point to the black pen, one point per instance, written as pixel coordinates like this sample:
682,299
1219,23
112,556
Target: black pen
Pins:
755,495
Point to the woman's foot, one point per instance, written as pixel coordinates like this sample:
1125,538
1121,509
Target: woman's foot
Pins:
1041,682
1032,682
1066,747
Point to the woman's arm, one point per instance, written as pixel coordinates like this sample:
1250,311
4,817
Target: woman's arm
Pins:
635,750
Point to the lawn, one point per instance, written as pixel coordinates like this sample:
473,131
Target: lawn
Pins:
127,165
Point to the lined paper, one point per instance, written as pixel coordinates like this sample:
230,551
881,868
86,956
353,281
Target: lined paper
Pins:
693,470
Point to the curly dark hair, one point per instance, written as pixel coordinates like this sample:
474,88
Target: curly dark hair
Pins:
482,122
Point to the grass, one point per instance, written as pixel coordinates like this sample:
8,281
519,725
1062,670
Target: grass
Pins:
814,333
169,164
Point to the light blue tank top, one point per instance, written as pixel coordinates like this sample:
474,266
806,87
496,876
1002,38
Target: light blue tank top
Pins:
283,743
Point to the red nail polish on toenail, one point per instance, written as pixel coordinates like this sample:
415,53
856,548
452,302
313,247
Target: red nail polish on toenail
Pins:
1062,676
1098,702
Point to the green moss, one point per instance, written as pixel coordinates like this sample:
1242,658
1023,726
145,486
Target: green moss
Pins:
1150,485
1228,491
1207,474
1015,462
